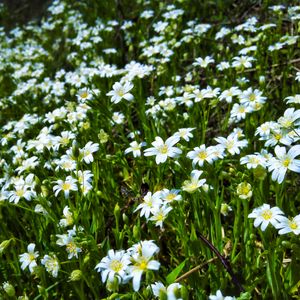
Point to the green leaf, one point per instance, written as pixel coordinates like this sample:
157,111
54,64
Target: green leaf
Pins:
174,274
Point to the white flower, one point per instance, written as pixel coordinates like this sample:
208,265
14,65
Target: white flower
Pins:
219,296
121,91
194,183
118,118
68,241
231,143
264,215
84,94
28,259
163,150
200,155
66,186
170,195
293,99
286,225
135,148
203,62
159,214
242,61
284,161
68,220
51,264
149,202
87,152
289,118
158,289
142,261
184,133
113,265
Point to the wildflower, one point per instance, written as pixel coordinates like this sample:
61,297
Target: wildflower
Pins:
51,264
149,202
113,265
141,262
103,136
264,215
27,164
170,195
87,152
83,95
239,111
65,138
68,241
284,161
203,62
252,97
20,191
289,118
28,259
159,290
135,148
242,61
200,155
118,118
219,296
194,183
231,143
252,161
159,214
121,91
227,95
225,209
66,186
163,150
68,220
84,178
289,225
184,133
293,99
244,190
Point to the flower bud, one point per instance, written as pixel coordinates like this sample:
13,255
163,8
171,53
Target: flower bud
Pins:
244,190
76,275
9,289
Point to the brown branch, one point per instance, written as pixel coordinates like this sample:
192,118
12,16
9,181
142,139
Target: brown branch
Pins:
188,273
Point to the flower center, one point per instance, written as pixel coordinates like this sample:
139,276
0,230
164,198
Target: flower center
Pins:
142,265
170,197
66,186
71,247
267,214
202,155
20,193
252,97
116,265
286,162
31,257
84,95
163,149
293,225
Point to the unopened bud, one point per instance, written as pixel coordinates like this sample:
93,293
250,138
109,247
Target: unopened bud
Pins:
76,275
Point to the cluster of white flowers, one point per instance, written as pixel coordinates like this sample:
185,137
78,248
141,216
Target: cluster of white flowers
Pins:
265,215
155,207
129,264
28,259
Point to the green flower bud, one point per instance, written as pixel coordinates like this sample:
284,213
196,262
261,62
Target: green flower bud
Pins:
9,289
136,232
117,211
4,245
76,275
